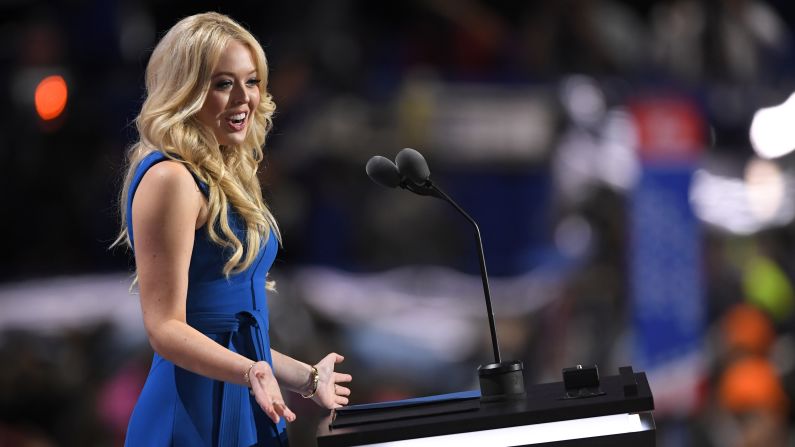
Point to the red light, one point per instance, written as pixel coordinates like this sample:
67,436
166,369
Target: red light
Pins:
50,97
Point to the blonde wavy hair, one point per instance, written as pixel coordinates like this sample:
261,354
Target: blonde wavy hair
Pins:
177,83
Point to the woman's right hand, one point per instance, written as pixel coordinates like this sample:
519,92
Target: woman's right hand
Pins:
267,393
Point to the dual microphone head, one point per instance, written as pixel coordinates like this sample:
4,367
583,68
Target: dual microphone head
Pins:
409,171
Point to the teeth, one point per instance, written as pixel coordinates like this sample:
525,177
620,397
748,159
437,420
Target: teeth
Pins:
238,117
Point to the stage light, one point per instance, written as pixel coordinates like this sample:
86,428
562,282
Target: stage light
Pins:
50,97
771,130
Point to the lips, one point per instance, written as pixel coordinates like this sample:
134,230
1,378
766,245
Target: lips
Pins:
237,122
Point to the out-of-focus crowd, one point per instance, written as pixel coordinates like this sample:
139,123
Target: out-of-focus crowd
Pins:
512,102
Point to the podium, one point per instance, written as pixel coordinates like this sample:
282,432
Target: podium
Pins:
617,413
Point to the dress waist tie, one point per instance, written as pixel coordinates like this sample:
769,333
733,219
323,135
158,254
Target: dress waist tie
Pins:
229,325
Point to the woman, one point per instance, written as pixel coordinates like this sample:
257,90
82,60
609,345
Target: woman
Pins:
192,211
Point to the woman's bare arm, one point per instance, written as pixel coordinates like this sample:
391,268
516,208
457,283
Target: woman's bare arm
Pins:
297,376
166,211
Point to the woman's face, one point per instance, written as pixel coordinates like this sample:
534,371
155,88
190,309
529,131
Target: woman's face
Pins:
233,96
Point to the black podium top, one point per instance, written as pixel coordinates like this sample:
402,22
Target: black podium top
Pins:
543,403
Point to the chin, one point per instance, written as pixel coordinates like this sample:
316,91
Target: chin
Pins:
232,140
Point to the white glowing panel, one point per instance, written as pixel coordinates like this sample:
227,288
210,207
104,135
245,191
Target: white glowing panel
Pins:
531,434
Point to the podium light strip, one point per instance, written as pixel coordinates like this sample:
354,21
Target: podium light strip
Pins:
531,434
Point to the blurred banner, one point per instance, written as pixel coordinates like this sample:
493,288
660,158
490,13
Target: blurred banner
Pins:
668,302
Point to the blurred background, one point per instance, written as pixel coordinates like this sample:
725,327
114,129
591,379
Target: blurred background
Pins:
628,162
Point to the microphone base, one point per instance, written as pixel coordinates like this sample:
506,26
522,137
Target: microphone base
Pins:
501,381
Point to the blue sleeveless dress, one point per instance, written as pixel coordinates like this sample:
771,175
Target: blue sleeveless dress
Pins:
179,408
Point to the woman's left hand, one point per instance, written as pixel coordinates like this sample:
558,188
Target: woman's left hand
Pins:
330,394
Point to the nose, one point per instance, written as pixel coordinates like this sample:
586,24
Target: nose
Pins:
239,94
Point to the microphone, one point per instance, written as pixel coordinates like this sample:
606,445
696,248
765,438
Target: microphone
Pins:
499,380
382,171
412,164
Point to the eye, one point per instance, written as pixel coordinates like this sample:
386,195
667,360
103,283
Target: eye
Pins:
253,81
223,84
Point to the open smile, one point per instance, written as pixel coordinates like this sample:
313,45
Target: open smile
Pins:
237,122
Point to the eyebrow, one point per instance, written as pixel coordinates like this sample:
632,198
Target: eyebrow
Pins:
227,73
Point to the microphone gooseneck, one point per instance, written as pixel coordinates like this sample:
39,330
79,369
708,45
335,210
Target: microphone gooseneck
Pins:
483,274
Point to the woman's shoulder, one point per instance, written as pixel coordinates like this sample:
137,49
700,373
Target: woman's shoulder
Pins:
173,163
168,195
168,175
